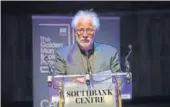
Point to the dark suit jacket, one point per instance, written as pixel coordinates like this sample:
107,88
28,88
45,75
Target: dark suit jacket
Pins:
69,60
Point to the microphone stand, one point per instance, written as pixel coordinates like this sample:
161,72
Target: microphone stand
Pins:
50,74
127,64
61,94
118,84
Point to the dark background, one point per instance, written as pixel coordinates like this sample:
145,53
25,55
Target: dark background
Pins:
145,25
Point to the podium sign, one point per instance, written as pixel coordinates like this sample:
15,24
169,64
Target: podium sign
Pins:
81,96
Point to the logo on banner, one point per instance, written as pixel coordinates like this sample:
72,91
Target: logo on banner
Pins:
63,31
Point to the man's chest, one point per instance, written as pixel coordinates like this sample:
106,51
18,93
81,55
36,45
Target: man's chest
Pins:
80,65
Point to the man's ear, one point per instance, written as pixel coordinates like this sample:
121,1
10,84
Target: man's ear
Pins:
76,35
95,31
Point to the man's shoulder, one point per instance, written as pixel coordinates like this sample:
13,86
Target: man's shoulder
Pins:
64,49
105,47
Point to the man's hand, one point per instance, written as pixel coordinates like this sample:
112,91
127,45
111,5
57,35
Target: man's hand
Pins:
80,80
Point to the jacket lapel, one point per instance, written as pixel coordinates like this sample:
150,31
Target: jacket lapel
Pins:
78,63
77,60
98,58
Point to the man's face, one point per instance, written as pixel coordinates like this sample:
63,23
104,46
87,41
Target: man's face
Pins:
85,33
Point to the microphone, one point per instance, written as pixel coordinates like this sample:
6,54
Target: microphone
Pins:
130,47
50,74
88,73
127,64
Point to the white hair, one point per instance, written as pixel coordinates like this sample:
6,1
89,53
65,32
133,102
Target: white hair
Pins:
86,13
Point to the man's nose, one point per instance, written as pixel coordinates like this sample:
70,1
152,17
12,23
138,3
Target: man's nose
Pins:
85,35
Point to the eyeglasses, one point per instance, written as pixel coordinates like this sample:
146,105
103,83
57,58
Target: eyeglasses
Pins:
88,30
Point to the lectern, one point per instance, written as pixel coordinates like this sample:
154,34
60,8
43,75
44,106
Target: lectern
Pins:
104,90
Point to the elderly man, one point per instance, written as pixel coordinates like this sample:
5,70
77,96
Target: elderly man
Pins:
72,60
86,54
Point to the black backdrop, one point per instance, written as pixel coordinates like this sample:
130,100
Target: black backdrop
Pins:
145,25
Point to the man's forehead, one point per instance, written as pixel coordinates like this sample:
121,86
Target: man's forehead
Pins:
85,18
85,21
